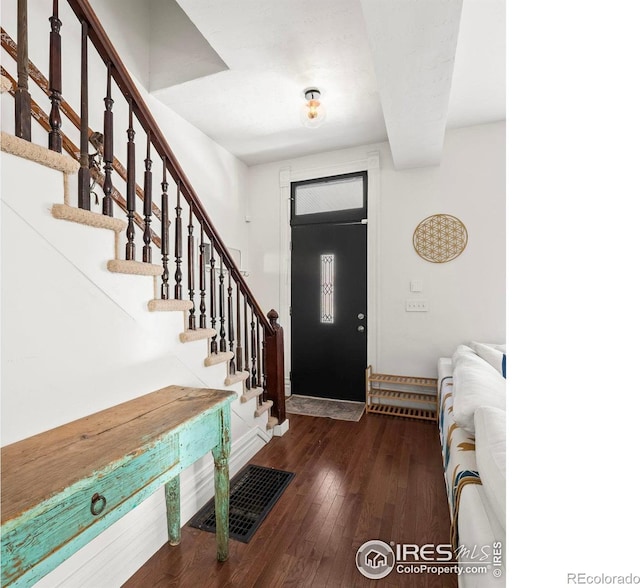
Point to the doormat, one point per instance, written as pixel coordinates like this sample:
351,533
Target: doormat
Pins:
252,494
342,410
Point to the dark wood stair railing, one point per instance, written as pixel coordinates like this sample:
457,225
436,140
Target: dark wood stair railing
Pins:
262,335
40,116
10,46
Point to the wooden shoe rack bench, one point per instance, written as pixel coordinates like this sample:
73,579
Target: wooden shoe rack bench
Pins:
402,396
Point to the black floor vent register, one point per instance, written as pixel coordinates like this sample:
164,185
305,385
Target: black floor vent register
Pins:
252,494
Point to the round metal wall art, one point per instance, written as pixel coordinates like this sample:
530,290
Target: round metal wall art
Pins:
440,238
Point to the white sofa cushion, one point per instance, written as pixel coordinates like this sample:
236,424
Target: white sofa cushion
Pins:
501,347
492,355
461,351
475,384
491,453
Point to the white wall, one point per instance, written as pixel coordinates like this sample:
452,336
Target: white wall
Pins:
130,35
466,296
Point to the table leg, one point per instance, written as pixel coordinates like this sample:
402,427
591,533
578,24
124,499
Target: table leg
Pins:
172,499
221,479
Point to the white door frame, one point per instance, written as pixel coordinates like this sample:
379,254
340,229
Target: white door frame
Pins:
287,175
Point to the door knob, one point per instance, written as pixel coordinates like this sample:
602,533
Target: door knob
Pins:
360,329
360,316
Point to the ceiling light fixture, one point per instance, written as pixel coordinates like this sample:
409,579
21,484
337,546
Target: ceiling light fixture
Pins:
313,113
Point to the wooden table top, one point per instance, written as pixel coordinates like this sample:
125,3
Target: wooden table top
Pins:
41,466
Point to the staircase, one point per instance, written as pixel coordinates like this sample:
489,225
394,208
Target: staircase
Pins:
126,296
68,167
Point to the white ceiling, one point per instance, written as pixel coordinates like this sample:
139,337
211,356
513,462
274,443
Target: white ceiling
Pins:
397,70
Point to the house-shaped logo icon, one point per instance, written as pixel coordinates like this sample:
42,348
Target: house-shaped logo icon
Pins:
375,559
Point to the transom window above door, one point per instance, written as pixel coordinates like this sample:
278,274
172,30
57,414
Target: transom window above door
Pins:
334,199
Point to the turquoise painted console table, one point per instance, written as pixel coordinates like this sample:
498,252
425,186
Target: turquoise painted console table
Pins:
62,488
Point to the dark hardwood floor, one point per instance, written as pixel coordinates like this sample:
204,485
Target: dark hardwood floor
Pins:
380,478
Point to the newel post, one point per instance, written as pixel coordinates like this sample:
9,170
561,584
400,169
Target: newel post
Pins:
274,367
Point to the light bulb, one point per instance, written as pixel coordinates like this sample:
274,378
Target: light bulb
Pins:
313,113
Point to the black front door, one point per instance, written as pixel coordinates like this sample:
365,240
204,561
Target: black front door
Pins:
329,301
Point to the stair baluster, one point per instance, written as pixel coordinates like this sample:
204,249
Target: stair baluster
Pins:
130,250
190,268
164,289
222,333
230,326
107,185
263,382
84,174
238,331
148,199
254,378
22,96
178,248
55,80
203,283
246,337
212,297
258,362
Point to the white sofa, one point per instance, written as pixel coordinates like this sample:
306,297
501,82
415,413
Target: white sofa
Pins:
472,423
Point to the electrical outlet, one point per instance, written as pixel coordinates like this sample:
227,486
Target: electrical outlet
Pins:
415,305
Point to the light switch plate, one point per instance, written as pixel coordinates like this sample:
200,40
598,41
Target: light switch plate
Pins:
415,305
415,286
